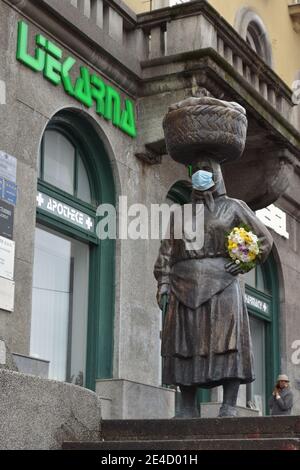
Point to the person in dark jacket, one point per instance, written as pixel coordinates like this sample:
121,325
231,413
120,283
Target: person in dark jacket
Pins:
281,401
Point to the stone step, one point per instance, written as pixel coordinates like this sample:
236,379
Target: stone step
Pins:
213,428
189,444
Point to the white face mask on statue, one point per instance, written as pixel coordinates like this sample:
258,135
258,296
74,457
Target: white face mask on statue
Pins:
202,180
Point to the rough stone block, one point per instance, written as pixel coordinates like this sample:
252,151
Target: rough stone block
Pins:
211,410
32,365
38,413
190,33
132,400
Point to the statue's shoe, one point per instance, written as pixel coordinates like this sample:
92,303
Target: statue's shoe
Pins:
227,411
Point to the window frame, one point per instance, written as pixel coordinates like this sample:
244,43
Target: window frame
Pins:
78,154
247,18
100,341
253,39
271,322
52,229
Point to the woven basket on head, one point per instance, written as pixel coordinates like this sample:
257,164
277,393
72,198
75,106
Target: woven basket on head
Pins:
205,127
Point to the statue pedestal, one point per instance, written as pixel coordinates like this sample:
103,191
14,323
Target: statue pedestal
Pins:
126,399
211,410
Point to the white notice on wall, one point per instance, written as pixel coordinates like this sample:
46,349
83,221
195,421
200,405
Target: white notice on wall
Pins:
8,166
2,92
7,258
7,294
2,353
274,218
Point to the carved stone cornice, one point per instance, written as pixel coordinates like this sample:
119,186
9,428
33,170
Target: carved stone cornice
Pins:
262,180
149,156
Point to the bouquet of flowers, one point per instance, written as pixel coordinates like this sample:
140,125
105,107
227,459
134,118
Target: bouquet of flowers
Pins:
243,247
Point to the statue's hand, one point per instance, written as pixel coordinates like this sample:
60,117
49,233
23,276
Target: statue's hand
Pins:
161,291
233,268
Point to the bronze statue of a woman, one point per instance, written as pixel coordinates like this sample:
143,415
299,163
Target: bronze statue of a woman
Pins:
206,338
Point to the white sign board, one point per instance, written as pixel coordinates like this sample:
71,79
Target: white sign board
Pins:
274,218
7,294
2,92
66,212
8,166
2,353
259,304
7,258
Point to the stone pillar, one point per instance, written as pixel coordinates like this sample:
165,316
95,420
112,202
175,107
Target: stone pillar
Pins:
157,42
97,12
113,24
191,33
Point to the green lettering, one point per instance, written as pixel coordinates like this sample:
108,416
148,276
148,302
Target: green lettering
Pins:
54,50
98,93
127,123
48,58
41,40
112,106
83,88
37,62
66,79
52,70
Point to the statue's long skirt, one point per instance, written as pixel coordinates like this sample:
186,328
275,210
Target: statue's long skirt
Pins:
209,344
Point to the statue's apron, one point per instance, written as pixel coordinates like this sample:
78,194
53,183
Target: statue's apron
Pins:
195,281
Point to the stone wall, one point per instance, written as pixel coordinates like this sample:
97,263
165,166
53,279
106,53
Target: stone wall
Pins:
31,102
40,414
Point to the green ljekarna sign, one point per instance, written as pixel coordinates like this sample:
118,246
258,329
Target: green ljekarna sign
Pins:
88,88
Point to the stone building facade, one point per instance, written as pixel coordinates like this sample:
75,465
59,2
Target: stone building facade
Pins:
84,86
